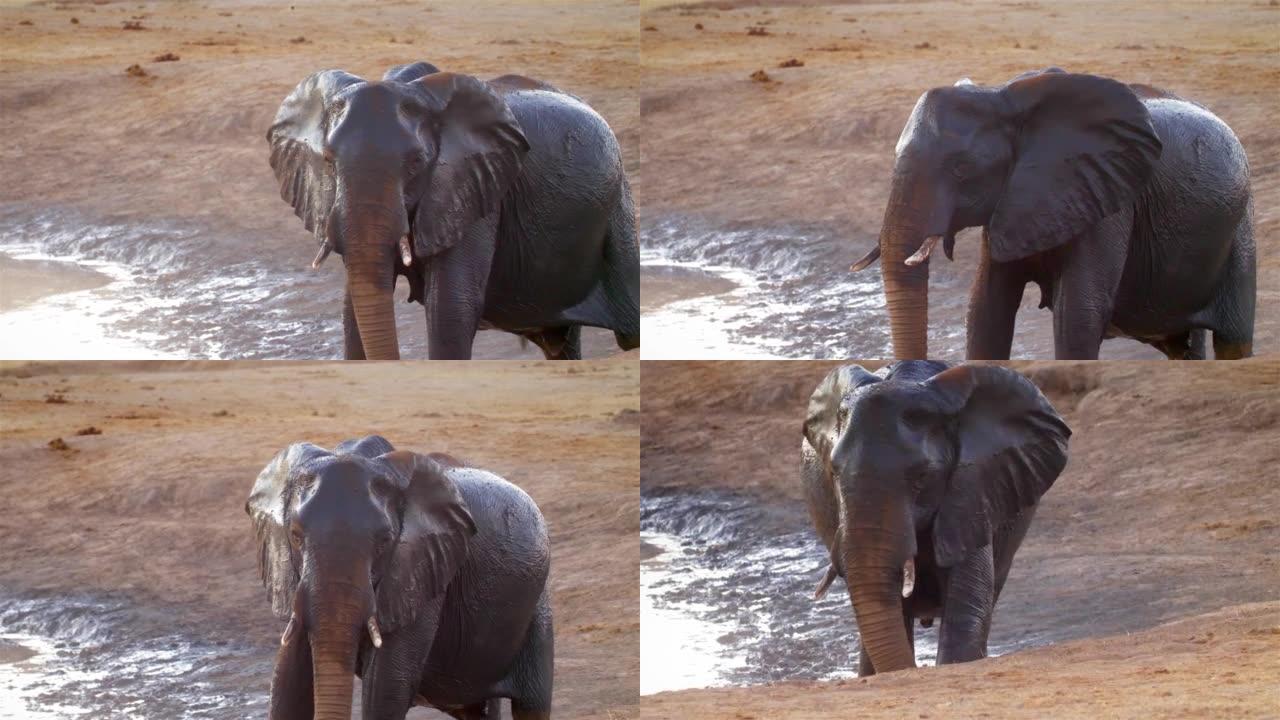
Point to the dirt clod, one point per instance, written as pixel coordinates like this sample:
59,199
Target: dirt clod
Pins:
697,26
90,430
167,57
758,31
300,40
793,62
132,25
58,444
55,399
135,70
761,76
924,46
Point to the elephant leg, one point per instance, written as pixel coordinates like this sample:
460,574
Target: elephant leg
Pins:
455,283
865,668
1085,294
291,683
487,710
993,309
352,346
392,674
532,675
1233,333
1187,346
966,609
1227,350
564,343
571,345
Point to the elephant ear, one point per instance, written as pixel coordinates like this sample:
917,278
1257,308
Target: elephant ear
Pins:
410,72
1085,149
297,149
1011,445
269,507
436,530
479,149
822,423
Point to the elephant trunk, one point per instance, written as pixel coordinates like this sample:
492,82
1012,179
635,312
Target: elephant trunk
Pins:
370,257
875,576
335,641
906,287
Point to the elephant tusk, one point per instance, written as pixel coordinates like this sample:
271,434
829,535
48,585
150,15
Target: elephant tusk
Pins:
289,630
406,256
320,256
909,577
922,254
826,582
374,635
866,260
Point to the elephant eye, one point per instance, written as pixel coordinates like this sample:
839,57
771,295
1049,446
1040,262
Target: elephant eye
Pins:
962,168
295,537
414,163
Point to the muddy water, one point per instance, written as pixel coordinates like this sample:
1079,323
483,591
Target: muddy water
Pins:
727,597
99,657
182,288
792,296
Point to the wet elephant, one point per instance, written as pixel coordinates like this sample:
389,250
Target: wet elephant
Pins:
504,203
921,481
425,577
1129,206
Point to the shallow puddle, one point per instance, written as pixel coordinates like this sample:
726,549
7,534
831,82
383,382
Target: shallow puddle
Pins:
727,598
182,289
790,294
71,657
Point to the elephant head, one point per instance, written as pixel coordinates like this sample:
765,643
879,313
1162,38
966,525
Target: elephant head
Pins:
1037,162
352,543
386,172
950,455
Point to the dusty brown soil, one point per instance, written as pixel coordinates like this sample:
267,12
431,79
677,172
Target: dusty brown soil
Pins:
1167,510
152,508
814,145
186,142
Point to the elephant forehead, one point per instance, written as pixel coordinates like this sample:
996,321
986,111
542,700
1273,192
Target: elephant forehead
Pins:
948,113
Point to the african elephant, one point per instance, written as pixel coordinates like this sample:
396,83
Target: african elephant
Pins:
921,481
504,203
1129,206
424,576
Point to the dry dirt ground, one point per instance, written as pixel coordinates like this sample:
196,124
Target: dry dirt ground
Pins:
1164,524
185,141
153,507
813,145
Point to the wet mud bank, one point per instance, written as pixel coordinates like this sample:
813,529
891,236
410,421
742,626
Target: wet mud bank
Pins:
787,291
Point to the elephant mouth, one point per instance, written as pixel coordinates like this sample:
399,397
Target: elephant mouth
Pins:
921,254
